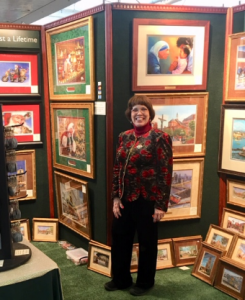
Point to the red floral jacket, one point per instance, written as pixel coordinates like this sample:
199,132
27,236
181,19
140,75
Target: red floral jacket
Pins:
143,166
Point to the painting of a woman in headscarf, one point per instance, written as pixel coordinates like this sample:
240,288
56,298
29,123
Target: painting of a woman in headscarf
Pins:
160,50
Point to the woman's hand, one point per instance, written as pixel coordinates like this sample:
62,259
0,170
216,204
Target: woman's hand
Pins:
116,207
158,215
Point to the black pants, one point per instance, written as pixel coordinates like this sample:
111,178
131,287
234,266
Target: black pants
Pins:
136,217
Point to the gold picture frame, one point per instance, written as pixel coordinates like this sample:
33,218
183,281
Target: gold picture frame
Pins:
233,221
236,192
45,230
237,250
70,53
165,254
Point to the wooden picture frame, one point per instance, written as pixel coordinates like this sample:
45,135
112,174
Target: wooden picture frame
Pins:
73,204
25,229
45,230
20,74
232,145
147,32
29,116
99,258
235,192
186,249
233,221
76,122
26,183
235,75
230,278
134,258
70,52
237,250
186,203
184,117
219,237
206,263
165,254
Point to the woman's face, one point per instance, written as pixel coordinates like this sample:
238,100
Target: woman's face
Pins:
163,54
140,115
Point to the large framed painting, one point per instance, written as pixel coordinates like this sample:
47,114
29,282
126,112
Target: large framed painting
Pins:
170,54
235,75
233,220
236,192
186,189
186,249
73,203
70,51
206,263
73,137
230,278
25,174
219,237
232,140
184,117
26,119
19,74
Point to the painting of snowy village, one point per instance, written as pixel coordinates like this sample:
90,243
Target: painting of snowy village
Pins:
179,121
238,139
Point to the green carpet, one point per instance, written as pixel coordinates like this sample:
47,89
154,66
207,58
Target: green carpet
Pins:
79,283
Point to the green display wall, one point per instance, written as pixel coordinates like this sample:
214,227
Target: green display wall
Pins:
122,76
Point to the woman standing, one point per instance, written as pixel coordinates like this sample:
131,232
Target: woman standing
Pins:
141,187
160,50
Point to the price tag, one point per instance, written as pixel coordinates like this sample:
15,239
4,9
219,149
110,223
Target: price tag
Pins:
22,252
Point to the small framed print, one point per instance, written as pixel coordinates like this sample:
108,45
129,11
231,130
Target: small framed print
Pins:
25,228
73,203
219,237
19,74
73,137
186,249
99,258
230,278
236,192
157,54
135,258
206,263
45,230
185,202
26,118
70,52
233,221
235,76
165,254
237,250
232,141
184,117
26,175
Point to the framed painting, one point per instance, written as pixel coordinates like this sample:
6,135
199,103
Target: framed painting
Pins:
24,227
232,140
26,175
19,74
230,278
186,249
170,54
186,190
73,204
235,75
206,263
73,138
99,258
70,51
236,192
45,230
165,254
233,220
134,258
184,117
219,237
237,250
26,119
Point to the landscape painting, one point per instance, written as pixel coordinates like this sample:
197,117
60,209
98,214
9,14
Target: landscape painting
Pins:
207,263
232,280
219,241
235,225
240,68
186,252
241,252
238,192
238,139
179,121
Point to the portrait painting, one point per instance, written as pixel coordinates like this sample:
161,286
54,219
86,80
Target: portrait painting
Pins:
179,121
232,280
23,118
207,263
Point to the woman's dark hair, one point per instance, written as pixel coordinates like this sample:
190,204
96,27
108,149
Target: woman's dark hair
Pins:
184,41
139,100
